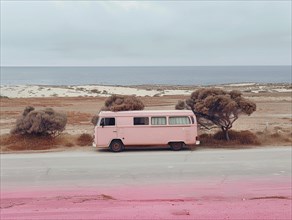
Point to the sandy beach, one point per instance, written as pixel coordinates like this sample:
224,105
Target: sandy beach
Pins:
39,91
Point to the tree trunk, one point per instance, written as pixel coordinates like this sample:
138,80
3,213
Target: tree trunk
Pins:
226,134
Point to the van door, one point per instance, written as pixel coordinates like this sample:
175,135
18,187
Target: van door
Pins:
107,131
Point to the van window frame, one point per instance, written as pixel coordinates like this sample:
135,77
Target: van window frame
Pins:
145,117
103,118
186,116
192,120
166,121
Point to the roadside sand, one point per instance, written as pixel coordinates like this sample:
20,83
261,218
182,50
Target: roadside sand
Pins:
208,199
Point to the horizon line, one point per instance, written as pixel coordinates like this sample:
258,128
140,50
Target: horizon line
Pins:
144,65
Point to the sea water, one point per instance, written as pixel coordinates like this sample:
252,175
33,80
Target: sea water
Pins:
164,75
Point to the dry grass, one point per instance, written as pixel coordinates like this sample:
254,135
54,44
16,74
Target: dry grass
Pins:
237,139
84,140
275,135
240,137
275,138
27,142
37,102
81,110
76,118
31,142
10,113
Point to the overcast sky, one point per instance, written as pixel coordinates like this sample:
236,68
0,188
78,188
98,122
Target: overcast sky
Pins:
97,33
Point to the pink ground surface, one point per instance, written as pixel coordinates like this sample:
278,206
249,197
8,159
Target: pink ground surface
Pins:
237,199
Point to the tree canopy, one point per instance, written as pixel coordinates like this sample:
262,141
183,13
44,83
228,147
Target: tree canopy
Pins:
120,103
217,106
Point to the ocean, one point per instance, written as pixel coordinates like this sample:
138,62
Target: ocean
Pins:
159,75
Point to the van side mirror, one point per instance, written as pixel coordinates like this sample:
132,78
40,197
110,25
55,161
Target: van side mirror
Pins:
102,123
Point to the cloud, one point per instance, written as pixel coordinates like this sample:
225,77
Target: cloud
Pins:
126,5
145,33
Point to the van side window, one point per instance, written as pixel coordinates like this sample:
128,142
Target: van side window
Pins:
141,121
108,122
179,120
158,120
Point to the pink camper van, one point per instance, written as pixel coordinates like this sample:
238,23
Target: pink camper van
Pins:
116,130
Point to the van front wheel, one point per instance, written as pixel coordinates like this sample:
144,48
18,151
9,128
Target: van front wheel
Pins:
176,146
116,146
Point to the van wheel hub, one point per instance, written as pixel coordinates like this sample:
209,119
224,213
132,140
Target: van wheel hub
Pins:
116,146
176,146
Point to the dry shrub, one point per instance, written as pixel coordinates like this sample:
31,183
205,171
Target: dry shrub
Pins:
10,142
117,103
84,140
69,144
275,135
4,140
275,138
78,117
259,133
65,140
180,105
241,137
45,122
208,140
28,142
237,138
288,140
94,120
122,103
278,128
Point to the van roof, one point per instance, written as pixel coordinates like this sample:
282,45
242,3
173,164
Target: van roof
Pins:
146,113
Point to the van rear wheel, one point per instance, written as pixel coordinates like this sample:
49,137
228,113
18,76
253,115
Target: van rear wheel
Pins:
176,146
116,146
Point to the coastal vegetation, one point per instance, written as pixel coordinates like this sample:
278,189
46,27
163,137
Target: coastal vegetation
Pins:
269,125
120,103
236,139
217,107
84,140
46,122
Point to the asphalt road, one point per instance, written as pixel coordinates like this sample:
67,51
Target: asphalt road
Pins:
92,168
150,184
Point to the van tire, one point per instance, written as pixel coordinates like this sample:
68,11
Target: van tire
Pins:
176,146
117,146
